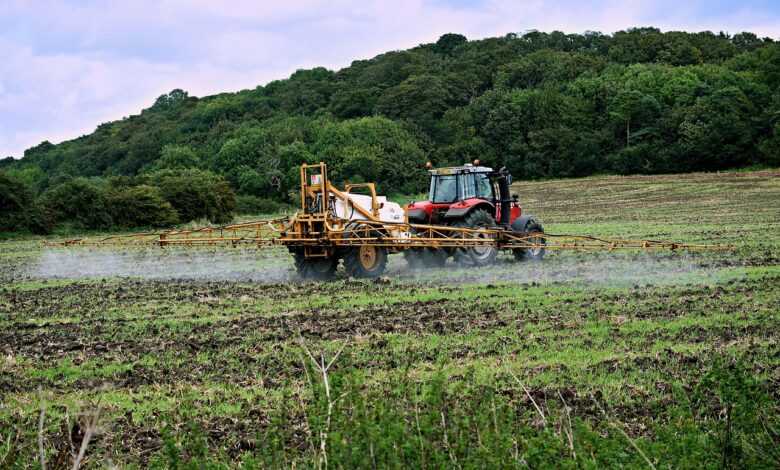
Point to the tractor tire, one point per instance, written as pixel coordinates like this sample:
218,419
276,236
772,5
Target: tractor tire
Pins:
315,269
365,261
531,254
477,255
419,258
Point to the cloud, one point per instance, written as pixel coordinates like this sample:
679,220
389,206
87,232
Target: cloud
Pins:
70,65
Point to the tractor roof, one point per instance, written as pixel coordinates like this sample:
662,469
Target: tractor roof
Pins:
456,170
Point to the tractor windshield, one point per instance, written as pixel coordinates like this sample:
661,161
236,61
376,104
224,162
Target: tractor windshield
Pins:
444,188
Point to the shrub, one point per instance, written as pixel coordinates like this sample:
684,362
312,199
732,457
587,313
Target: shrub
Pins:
14,200
257,205
141,206
196,194
79,201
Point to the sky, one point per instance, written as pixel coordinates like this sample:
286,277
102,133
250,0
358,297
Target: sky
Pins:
68,65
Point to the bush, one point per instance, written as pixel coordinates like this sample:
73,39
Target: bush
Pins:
257,205
196,194
18,209
141,206
14,200
770,148
80,201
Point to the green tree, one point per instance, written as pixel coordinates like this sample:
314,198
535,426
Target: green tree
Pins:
763,62
635,109
421,99
13,201
546,67
448,43
177,157
304,92
291,157
250,161
770,146
196,194
32,176
170,100
140,206
717,132
372,149
78,201
746,41
679,49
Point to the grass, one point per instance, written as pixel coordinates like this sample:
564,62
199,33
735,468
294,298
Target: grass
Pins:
633,360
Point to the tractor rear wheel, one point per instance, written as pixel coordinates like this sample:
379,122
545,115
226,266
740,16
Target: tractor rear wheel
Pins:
537,252
365,261
316,269
478,255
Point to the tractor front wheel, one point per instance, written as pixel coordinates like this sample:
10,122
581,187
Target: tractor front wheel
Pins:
477,255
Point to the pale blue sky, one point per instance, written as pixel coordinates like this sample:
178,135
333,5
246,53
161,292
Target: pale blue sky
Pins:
66,66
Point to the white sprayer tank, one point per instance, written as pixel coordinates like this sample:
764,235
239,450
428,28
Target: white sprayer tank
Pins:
388,211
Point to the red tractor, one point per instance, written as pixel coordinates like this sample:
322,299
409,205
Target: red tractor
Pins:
471,196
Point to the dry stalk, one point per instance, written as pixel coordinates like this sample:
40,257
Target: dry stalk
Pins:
41,450
90,429
528,394
10,447
305,416
447,441
568,429
495,417
419,433
70,435
323,368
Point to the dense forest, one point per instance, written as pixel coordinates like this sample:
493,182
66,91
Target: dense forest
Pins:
542,104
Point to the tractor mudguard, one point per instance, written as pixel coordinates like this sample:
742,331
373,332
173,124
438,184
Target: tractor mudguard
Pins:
520,223
460,212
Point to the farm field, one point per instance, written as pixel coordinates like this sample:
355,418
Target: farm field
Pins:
214,356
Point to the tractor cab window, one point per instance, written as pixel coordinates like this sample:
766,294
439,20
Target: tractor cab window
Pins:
484,188
467,187
444,189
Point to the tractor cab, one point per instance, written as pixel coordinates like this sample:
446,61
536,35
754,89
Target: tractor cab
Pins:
449,185
454,192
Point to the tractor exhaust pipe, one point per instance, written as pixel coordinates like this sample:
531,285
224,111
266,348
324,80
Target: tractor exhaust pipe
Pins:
503,180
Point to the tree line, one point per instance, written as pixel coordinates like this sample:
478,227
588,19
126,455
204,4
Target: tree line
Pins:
542,104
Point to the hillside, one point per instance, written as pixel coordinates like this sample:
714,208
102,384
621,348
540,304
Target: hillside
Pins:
542,104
